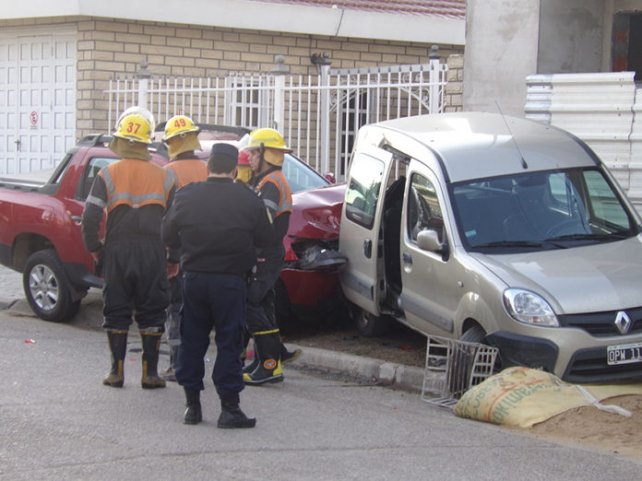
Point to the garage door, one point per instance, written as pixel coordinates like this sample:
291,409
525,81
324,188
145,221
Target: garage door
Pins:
37,99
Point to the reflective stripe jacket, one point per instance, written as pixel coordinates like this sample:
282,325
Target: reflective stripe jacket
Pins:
281,202
273,188
135,193
188,171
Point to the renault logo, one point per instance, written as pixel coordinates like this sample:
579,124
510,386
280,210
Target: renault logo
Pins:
622,322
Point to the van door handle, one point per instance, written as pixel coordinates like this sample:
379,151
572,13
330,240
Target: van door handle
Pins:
407,258
367,248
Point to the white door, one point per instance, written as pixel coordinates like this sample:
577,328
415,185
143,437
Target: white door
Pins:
37,99
359,236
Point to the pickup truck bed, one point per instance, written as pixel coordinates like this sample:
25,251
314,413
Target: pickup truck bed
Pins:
40,229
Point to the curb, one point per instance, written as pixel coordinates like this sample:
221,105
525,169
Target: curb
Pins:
365,369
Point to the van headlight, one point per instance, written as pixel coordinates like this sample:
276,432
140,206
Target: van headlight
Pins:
529,308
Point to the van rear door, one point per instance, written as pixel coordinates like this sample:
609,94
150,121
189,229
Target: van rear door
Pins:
359,235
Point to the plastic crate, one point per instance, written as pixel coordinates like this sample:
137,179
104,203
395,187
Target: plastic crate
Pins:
453,367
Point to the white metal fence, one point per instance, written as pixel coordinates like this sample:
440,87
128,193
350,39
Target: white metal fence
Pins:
318,115
601,109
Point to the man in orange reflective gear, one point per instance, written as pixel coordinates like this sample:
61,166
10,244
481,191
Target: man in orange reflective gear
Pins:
181,138
135,194
267,150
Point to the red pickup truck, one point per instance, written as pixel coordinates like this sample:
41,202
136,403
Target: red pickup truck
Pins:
40,233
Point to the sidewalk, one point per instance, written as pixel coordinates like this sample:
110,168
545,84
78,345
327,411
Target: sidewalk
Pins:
362,369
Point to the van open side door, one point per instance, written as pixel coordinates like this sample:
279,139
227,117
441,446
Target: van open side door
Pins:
360,232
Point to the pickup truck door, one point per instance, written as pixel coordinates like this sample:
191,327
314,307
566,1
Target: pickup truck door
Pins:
359,235
429,294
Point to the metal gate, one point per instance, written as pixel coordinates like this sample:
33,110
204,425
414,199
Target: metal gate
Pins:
318,115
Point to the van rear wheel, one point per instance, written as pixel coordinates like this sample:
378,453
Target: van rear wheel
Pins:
369,325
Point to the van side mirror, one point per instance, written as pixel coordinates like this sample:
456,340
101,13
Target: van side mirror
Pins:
428,240
329,176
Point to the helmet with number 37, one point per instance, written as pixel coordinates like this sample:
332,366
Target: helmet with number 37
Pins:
136,125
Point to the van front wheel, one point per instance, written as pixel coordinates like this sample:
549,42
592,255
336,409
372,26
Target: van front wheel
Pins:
474,334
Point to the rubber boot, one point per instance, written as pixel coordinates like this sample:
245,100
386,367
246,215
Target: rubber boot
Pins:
231,415
151,346
252,365
268,349
289,356
118,346
193,413
169,374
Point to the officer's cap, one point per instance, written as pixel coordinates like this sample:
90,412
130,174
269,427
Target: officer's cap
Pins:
223,158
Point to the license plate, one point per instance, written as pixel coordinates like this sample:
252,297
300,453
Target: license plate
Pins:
624,354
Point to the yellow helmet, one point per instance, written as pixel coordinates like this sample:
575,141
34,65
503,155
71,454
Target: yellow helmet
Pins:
179,125
267,139
136,125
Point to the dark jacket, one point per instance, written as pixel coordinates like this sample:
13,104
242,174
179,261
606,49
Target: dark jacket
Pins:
135,193
217,224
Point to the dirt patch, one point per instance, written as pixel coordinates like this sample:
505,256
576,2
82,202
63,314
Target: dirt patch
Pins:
401,345
590,427
585,426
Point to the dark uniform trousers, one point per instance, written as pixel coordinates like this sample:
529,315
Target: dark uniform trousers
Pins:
135,282
212,301
261,296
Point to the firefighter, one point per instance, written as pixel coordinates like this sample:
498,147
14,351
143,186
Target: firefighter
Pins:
244,170
217,226
135,194
181,138
267,150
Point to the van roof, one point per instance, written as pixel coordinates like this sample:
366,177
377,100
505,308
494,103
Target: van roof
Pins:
472,145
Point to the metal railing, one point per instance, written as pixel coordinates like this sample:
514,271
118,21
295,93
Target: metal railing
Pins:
319,115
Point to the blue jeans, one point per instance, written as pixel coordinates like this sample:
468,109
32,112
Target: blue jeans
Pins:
212,301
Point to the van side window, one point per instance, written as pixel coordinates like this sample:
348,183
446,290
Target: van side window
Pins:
362,194
606,209
424,211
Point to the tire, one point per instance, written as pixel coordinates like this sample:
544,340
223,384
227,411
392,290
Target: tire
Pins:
461,362
474,334
47,287
369,325
478,335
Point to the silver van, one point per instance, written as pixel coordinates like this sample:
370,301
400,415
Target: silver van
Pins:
494,229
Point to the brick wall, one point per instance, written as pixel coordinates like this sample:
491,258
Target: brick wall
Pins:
455,86
107,49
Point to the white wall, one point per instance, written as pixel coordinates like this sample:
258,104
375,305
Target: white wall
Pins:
313,20
570,36
501,50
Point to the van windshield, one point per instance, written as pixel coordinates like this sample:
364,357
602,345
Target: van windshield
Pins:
535,210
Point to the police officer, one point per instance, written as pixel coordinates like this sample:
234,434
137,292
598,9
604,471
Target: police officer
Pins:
217,225
135,193
181,138
267,150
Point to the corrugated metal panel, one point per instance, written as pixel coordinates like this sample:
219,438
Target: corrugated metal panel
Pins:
604,110
538,98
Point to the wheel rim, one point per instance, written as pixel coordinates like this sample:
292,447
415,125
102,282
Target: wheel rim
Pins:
44,288
363,320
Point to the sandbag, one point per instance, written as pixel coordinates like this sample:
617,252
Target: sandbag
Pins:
523,397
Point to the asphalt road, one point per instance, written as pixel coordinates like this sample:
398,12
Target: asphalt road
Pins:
57,422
